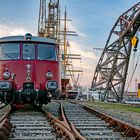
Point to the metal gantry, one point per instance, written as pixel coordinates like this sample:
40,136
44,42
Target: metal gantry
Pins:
42,19
53,19
48,26
111,71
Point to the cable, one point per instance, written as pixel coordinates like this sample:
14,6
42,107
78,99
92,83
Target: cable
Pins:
133,72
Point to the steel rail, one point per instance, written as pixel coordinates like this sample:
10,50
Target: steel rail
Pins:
124,128
64,125
76,133
2,106
70,126
5,115
5,126
61,127
64,118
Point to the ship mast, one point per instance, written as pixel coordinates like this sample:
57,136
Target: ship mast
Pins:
51,27
65,39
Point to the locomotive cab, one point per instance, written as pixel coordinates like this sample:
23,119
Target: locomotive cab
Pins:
29,69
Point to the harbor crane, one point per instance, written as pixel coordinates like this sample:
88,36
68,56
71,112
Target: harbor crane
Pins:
111,70
49,26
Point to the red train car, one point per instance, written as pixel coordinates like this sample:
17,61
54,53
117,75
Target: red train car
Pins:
29,69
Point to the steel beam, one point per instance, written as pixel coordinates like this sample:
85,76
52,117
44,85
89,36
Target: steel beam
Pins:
111,71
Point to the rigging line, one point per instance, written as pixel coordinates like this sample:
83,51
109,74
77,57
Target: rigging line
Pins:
133,67
133,72
72,77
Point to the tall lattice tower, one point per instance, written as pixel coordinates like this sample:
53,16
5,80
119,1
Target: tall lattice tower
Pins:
111,71
52,23
42,19
48,25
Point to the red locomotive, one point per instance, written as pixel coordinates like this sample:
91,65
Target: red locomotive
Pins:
29,69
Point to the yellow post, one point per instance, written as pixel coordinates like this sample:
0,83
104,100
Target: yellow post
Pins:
139,90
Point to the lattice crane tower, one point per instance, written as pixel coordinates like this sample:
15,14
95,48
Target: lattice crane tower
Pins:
42,19
48,26
111,71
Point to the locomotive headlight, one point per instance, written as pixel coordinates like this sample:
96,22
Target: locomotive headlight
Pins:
6,75
49,75
51,85
5,85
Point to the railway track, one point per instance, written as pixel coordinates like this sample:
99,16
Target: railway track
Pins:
62,121
30,124
90,126
53,108
2,105
94,125
4,108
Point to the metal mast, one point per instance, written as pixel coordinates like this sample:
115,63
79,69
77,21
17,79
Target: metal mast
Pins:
111,71
42,19
65,39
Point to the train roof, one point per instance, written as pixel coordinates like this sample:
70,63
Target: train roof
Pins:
22,38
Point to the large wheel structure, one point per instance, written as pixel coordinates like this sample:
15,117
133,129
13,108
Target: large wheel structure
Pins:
111,71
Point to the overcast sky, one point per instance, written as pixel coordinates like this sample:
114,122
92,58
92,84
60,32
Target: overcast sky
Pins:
92,19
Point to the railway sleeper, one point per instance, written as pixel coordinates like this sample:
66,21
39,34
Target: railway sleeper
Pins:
131,132
137,137
117,125
124,129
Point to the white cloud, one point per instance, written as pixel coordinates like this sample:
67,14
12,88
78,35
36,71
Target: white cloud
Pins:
79,49
71,27
88,64
11,29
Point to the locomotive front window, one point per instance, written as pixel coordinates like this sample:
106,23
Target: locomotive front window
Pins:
28,51
47,52
9,51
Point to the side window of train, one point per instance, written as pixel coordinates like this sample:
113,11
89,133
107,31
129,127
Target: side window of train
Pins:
28,51
9,51
47,52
